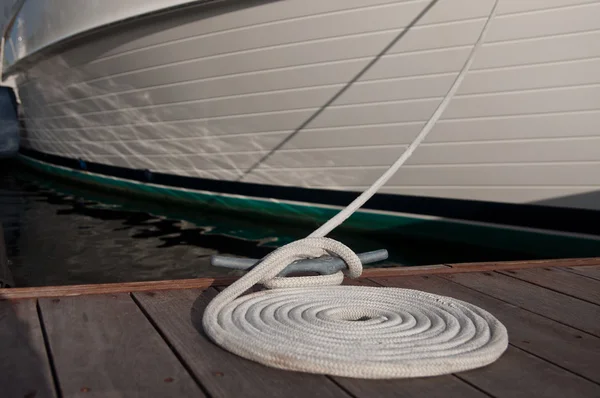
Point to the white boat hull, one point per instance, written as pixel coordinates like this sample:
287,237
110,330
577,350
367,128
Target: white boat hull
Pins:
286,93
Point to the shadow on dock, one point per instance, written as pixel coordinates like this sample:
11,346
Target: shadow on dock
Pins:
27,374
20,330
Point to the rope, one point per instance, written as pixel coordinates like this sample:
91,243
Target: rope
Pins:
312,324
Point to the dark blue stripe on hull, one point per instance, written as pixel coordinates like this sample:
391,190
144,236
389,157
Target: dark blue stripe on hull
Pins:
520,215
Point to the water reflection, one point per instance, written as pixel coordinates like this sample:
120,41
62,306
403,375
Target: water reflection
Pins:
58,234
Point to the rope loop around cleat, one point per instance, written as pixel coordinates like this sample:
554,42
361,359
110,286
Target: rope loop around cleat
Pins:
312,325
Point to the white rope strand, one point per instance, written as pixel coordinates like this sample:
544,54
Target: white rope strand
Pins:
339,218
309,324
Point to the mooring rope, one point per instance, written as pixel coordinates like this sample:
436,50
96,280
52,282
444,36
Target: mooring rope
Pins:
312,324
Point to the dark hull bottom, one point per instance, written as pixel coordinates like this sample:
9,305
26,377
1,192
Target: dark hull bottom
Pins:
558,232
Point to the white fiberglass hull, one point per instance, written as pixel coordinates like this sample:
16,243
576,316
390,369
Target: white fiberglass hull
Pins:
249,92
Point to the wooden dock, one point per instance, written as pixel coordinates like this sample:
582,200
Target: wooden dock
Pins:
145,339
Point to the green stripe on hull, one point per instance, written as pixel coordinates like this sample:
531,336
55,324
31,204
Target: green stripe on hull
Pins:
539,243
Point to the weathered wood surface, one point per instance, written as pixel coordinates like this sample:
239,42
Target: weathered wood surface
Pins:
202,283
111,288
103,346
24,367
178,315
198,283
557,306
519,374
497,265
561,281
557,343
429,387
151,343
589,271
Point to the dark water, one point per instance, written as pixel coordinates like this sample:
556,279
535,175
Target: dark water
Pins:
58,234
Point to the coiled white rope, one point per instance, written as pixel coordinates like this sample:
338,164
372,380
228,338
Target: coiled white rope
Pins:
309,324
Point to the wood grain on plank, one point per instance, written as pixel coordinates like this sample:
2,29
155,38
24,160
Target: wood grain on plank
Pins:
404,270
111,288
359,282
519,374
198,283
557,279
178,314
430,387
562,345
477,267
202,283
589,271
560,307
103,346
558,262
24,366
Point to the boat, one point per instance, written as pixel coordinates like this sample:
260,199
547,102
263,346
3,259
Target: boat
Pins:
9,123
289,109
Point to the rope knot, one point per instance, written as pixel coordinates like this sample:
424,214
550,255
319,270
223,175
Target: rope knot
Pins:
276,261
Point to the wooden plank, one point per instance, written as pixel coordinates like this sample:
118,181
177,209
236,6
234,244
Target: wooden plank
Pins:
198,283
178,315
111,288
562,345
24,367
519,374
404,270
560,307
561,281
359,282
202,283
590,271
477,267
103,346
498,265
430,387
